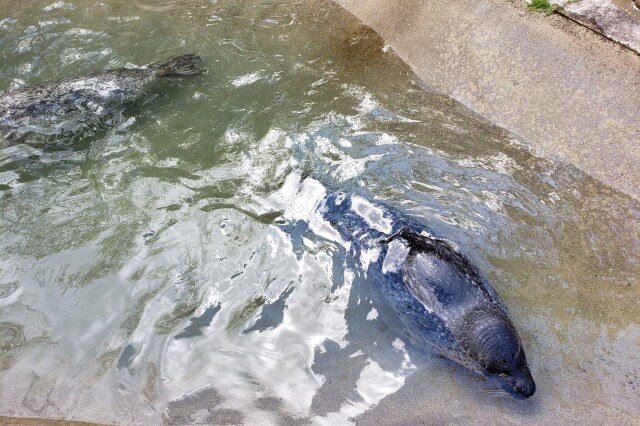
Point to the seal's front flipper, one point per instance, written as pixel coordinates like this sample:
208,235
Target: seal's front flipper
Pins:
179,66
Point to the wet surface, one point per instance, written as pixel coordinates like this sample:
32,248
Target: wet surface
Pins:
147,277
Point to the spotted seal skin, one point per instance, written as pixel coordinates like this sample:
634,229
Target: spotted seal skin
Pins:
70,105
443,300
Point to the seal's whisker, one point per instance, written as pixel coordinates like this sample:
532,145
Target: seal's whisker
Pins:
540,365
494,393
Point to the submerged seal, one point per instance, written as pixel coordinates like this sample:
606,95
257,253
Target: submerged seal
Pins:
443,300
72,104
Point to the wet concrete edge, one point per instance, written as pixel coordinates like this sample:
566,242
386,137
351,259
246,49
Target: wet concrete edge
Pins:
565,90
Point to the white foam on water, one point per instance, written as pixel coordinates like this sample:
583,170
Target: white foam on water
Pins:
247,79
373,215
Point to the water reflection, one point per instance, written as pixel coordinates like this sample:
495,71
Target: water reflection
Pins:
150,274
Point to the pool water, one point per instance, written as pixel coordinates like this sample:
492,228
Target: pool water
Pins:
148,276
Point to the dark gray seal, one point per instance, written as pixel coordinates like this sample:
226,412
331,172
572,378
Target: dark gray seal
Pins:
70,105
444,302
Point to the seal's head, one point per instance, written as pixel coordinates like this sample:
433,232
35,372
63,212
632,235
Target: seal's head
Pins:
489,337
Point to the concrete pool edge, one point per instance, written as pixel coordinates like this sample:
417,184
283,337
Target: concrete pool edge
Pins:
565,90
42,421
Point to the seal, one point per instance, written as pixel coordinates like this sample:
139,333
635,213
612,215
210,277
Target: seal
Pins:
442,299
70,105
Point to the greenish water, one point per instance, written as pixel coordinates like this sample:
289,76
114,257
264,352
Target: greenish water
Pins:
145,276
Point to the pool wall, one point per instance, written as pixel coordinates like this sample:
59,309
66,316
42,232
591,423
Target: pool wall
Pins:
566,90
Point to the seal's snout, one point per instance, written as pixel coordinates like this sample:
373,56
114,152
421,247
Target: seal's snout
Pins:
525,386
515,380
520,382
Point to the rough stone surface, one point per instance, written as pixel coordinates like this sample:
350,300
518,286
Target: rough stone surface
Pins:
618,20
564,89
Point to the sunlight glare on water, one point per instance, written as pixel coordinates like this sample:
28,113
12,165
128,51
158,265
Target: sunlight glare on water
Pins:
148,272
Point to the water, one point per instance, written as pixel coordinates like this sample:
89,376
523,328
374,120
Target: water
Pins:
146,275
